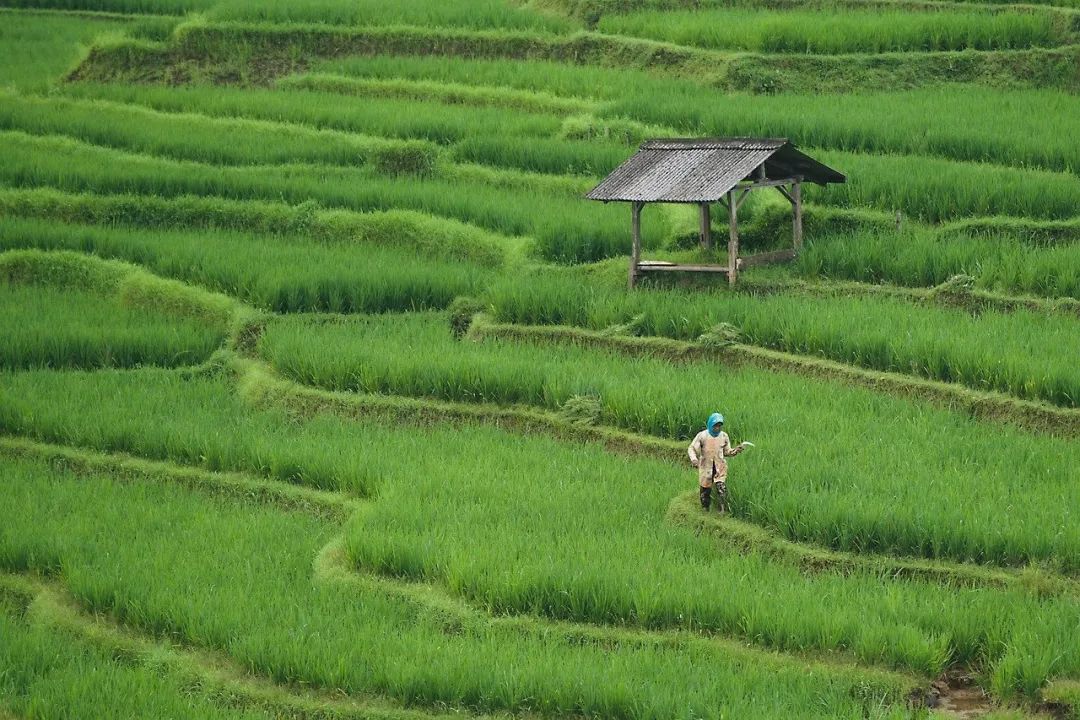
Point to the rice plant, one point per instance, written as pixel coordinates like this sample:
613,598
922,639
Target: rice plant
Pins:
598,231
45,669
583,82
1018,127
427,236
1026,354
936,190
847,30
924,258
187,136
37,49
236,578
447,93
383,117
283,274
880,447
50,327
462,13
535,507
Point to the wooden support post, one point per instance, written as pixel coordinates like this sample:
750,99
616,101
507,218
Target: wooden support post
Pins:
796,202
733,238
635,251
706,228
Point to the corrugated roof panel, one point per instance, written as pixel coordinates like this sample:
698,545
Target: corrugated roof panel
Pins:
703,170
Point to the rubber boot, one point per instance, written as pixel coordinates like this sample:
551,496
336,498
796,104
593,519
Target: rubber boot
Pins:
705,494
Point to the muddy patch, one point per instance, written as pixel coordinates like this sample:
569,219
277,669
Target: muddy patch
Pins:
957,696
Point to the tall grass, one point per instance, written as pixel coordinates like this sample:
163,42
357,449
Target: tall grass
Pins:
201,423
448,93
383,117
237,578
511,522
847,30
820,432
46,671
536,76
427,236
567,229
37,49
480,14
151,7
279,273
963,122
936,190
543,155
50,327
928,187
1026,354
924,258
187,136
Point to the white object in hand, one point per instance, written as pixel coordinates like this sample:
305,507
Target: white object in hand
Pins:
747,443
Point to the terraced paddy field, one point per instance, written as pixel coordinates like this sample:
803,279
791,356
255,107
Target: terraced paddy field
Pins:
322,394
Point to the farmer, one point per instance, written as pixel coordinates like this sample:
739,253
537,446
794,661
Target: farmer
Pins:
708,453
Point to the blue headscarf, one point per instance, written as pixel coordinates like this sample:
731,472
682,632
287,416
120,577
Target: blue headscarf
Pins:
714,420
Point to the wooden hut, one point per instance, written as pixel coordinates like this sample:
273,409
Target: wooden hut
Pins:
706,171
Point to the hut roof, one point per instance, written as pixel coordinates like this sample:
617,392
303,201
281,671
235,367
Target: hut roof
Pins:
703,170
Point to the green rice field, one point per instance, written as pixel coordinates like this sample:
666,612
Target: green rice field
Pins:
323,396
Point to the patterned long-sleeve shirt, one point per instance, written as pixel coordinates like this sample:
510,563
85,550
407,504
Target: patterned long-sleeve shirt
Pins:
708,454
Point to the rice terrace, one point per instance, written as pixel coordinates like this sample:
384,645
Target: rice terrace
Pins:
416,359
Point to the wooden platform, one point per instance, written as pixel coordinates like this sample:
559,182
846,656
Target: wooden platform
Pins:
663,266
647,266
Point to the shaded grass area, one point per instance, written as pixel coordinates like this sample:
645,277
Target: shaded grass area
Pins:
283,273
886,502
236,589
1026,354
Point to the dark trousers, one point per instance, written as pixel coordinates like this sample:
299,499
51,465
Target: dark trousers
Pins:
705,494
